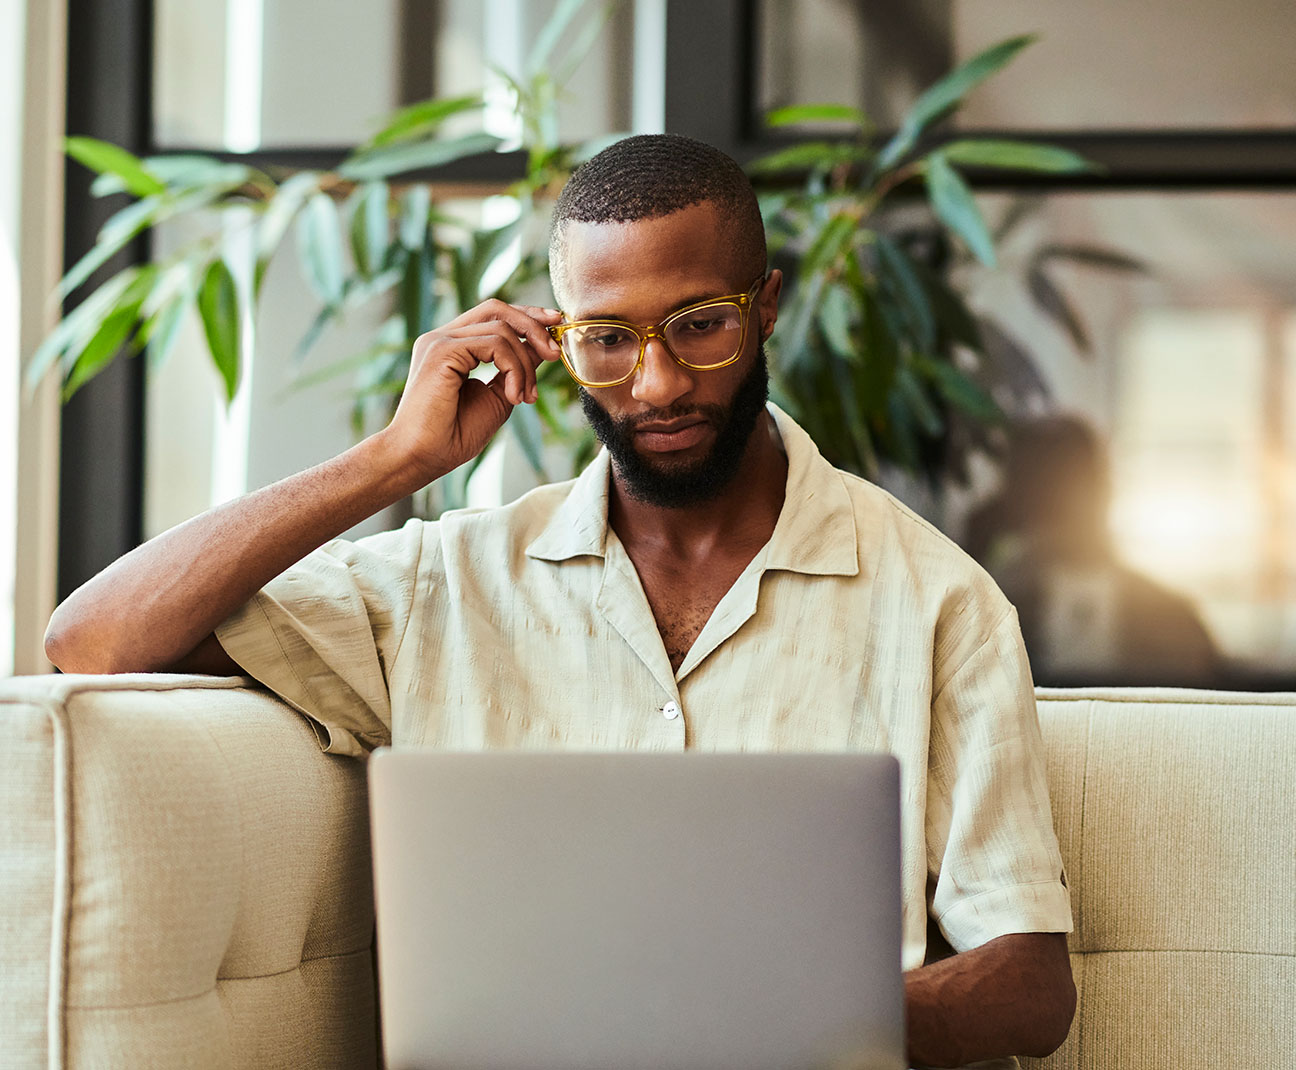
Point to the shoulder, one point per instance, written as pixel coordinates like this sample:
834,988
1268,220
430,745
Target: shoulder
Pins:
895,538
514,524
913,562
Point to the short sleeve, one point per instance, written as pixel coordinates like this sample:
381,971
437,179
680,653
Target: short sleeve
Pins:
993,860
324,634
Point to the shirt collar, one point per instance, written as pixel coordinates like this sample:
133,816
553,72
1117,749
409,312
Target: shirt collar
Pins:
815,532
578,527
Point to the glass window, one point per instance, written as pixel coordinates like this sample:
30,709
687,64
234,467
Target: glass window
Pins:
1100,65
1144,524
251,74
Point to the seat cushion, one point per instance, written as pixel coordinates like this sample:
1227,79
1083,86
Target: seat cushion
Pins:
1176,815
196,873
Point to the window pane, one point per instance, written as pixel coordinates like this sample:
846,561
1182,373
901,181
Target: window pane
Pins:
248,74
1101,65
1144,524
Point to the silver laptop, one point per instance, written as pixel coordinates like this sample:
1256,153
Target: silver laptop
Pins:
617,911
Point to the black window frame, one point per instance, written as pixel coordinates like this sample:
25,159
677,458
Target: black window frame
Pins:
710,57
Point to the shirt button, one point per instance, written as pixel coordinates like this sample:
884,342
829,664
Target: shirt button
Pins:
671,710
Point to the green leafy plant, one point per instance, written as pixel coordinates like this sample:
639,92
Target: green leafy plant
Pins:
365,234
877,358
878,354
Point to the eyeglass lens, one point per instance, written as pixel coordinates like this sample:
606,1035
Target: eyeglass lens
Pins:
703,337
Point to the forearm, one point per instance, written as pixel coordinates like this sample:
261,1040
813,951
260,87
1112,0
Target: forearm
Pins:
157,603
1011,996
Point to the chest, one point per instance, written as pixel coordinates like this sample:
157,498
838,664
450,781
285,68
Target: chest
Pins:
682,599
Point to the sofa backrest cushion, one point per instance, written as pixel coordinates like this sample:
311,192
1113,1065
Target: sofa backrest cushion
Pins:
1176,814
211,903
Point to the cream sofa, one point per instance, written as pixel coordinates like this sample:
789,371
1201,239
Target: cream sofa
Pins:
184,879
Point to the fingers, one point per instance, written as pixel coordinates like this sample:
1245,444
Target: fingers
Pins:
495,343
528,321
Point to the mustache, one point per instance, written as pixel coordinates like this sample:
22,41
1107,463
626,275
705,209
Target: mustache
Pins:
713,414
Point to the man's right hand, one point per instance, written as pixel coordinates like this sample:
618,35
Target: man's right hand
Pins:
446,416
157,608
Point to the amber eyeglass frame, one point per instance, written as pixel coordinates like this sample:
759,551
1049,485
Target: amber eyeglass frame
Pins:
644,333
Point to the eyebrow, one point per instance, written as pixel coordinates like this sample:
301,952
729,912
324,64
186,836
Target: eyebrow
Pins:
622,319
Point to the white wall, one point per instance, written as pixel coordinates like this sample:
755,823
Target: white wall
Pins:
32,76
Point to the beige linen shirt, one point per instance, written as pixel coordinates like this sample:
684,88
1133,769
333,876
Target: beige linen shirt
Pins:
858,626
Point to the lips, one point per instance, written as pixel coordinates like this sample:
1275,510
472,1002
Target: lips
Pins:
668,436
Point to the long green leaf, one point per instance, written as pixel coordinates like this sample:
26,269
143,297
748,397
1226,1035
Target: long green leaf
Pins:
955,206
959,390
876,372
911,390
111,334
99,352
809,156
956,321
417,120
326,315
100,156
1016,156
945,94
164,329
900,434
398,159
218,305
838,316
77,327
794,345
273,225
193,170
487,247
904,284
415,214
416,293
319,247
120,229
369,220
831,243
817,113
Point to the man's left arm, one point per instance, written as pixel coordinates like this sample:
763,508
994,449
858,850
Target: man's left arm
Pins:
1013,994
996,885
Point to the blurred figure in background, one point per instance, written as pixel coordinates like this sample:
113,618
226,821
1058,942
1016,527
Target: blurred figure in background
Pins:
1086,617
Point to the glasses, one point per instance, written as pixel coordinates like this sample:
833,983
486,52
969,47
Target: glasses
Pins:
702,336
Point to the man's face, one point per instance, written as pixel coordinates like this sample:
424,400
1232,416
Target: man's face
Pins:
677,436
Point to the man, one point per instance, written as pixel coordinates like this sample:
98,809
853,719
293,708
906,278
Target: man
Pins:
709,582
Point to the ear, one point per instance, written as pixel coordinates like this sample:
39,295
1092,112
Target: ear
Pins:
767,303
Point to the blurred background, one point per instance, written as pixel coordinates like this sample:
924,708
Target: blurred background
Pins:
1141,509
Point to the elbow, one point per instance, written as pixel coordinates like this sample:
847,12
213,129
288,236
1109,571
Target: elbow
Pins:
1053,1024
71,649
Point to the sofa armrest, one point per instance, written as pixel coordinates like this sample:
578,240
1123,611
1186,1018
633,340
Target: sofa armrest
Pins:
184,880
1175,812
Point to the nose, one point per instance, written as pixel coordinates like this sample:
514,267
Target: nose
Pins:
661,379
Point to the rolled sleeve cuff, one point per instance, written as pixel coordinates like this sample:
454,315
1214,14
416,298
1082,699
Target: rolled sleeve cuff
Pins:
251,639
1041,907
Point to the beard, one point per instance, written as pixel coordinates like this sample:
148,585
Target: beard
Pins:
677,484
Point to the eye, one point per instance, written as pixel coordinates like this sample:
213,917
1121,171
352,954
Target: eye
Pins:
701,322
607,337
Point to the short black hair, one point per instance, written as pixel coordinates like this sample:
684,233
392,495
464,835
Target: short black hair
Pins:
652,175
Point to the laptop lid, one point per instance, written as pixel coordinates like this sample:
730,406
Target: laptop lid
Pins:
626,910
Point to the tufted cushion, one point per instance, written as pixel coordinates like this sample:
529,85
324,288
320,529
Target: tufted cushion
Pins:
184,880
1176,814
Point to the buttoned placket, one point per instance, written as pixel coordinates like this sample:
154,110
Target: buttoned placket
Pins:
624,605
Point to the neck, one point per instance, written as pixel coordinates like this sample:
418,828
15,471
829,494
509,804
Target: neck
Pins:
743,515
